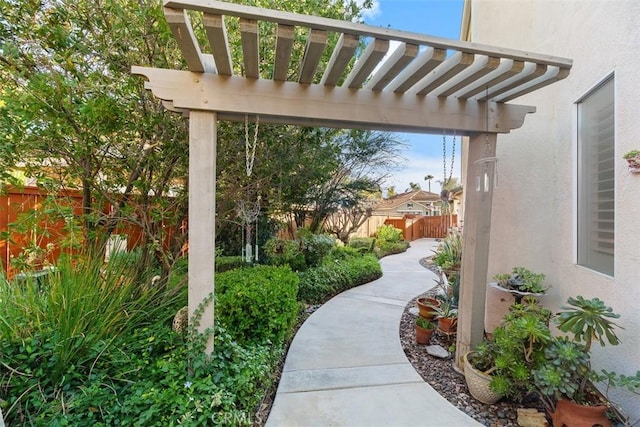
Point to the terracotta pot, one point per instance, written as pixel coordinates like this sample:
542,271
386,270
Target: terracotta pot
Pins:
425,306
448,324
478,383
571,414
423,336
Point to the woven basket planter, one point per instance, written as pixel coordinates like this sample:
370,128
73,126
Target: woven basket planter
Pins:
478,383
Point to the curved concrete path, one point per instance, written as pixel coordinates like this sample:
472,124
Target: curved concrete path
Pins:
346,366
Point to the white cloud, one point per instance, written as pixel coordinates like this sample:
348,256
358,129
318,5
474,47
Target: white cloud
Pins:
371,12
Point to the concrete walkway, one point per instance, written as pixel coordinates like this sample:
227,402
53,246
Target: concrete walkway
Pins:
346,366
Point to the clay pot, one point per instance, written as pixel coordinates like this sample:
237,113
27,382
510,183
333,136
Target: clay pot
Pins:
425,306
423,336
571,414
448,325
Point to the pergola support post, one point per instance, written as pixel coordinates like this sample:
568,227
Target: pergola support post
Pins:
202,209
476,236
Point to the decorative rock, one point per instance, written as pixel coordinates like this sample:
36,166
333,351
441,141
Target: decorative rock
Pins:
414,311
531,418
438,351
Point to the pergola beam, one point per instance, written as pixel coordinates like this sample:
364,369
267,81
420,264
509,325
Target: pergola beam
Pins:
334,25
316,105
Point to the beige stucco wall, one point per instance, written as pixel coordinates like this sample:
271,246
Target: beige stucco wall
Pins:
533,222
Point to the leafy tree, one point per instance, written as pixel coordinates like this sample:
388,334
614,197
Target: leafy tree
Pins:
414,186
428,178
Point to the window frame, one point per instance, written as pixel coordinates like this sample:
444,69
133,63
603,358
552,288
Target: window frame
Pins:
578,176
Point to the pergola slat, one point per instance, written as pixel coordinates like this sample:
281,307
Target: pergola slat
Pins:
250,48
217,35
417,69
506,70
530,72
342,54
181,28
403,55
482,66
363,30
448,69
373,54
284,43
316,42
552,75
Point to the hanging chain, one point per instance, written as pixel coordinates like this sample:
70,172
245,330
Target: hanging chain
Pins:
250,151
444,157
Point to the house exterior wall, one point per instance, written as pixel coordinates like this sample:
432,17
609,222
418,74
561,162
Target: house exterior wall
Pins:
534,210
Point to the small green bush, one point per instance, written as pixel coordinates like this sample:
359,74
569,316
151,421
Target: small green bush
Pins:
315,247
389,233
340,271
257,304
285,252
384,248
363,244
226,263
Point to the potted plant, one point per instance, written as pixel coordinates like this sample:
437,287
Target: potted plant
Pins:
424,330
565,380
520,282
448,256
426,306
447,315
633,160
518,349
478,366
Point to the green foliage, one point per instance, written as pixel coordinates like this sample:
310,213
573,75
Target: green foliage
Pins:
588,320
257,304
362,244
388,241
425,323
226,263
388,233
82,305
314,246
567,368
522,279
448,256
340,271
306,251
285,252
519,349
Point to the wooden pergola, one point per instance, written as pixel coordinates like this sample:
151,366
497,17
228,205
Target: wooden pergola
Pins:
426,84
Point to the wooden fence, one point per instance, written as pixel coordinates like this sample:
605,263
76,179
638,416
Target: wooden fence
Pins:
45,231
435,227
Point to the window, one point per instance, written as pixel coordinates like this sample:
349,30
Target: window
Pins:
596,189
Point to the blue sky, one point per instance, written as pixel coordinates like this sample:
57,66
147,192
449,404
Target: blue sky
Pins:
436,18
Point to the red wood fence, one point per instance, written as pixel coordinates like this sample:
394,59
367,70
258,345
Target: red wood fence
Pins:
435,227
47,229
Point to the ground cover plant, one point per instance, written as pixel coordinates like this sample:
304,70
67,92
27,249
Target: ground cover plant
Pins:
93,346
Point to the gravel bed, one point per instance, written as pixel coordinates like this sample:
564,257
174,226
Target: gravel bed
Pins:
451,385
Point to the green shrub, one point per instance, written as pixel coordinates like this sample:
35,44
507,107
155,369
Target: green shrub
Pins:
257,304
315,247
389,233
448,256
285,252
339,272
226,263
82,305
384,248
363,244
